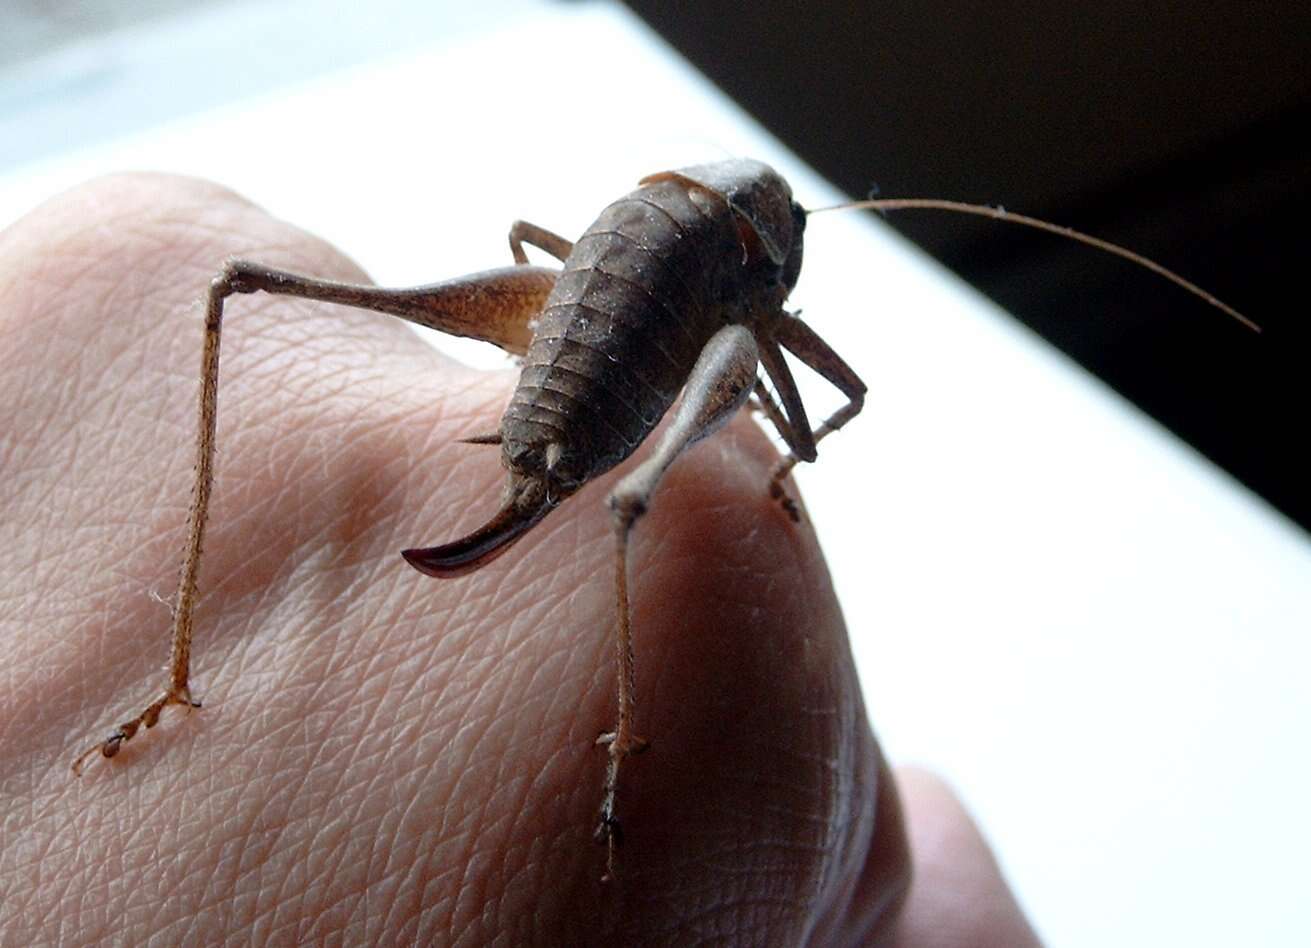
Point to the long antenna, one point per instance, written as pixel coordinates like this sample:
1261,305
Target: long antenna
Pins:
1001,214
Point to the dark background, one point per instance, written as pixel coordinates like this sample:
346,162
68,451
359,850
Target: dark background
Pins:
1177,129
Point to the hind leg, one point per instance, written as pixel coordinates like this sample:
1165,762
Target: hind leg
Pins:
496,306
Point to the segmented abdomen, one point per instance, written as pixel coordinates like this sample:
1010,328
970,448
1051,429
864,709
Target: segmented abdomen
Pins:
638,298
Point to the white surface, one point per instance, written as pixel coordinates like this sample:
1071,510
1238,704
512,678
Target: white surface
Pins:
1097,636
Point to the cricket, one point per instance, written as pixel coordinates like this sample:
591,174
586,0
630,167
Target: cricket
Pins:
674,297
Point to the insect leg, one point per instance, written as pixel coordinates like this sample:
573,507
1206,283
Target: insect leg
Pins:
496,306
522,232
790,419
720,383
806,345
795,425
765,402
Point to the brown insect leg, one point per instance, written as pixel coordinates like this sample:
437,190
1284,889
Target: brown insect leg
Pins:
720,383
806,345
522,232
495,306
766,404
795,427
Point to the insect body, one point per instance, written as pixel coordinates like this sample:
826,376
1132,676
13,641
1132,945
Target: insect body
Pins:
642,293
677,287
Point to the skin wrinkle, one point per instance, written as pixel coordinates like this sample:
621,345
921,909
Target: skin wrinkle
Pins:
470,730
285,885
341,859
69,449
284,891
316,498
505,811
404,865
225,863
333,543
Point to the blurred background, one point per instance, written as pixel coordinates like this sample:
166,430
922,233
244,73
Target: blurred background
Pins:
1171,127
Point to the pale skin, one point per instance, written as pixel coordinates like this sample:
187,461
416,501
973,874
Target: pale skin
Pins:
382,756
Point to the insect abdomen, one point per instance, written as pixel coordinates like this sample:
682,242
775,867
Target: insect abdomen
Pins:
637,300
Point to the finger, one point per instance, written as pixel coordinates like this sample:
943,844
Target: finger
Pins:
959,898
866,904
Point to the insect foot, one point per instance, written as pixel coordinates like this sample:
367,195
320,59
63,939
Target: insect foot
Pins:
125,731
608,830
779,493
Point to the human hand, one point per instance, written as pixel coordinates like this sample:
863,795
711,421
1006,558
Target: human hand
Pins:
383,757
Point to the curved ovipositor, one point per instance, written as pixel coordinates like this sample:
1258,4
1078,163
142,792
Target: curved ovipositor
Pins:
527,504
